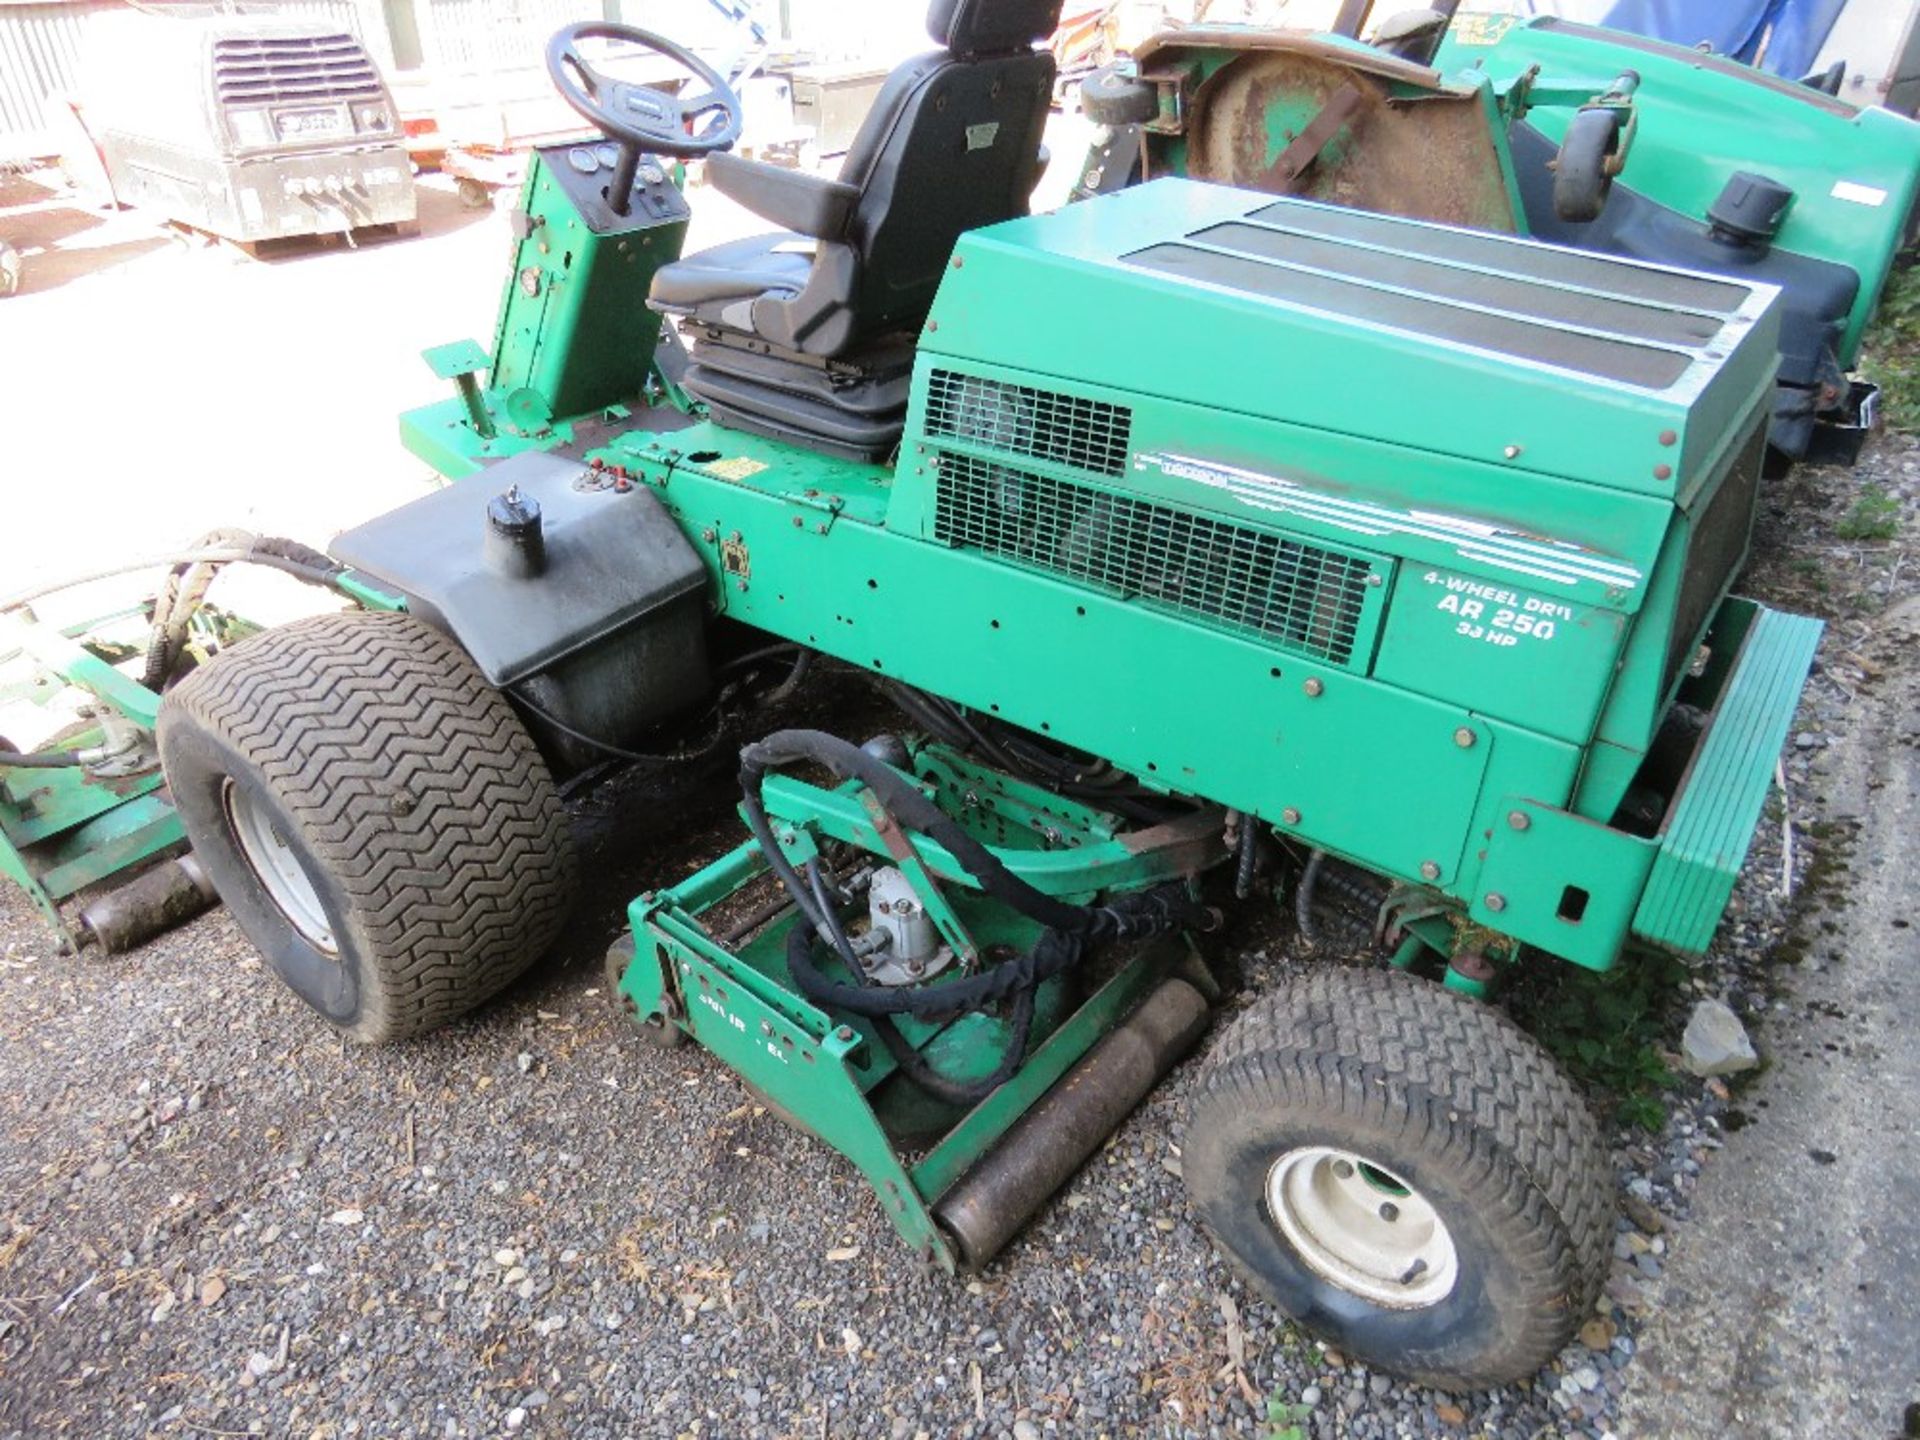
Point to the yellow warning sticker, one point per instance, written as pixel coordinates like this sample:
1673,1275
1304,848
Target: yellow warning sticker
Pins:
738,468
1479,28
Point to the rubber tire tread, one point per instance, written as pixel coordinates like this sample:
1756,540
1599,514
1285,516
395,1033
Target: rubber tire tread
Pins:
1462,1086
419,792
1580,182
1112,99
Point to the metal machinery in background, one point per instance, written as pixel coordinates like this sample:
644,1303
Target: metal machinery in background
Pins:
87,829
1161,634
480,122
68,826
1741,173
1586,137
248,126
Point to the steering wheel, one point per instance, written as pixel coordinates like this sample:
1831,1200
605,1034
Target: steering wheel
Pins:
639,116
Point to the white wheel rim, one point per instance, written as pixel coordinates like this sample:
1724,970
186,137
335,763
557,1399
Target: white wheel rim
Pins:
279,870
1360,1226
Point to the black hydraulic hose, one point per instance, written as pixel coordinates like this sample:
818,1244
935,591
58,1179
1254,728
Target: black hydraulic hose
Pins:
796,677
41,759
158,662
1054,952
1109,788
679,757
901,799
909,1060
1347,885
836,932
945,1088
290,557
754,657
1248,856
1303,898
1069,929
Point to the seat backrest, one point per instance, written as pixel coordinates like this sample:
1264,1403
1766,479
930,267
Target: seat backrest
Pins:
952,143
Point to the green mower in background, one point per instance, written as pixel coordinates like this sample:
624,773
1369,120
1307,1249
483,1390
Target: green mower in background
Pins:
1586,137
1210,544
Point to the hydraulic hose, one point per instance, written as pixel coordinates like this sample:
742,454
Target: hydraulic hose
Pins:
1345,884
179,598
1246,858
1097,782
41,759
1069,929
909,1060
290,557
1303,898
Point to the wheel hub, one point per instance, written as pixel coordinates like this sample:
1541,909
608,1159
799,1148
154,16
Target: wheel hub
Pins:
279,870
1357,1224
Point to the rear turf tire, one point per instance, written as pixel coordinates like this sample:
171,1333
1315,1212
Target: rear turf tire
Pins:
375,816
1445,1109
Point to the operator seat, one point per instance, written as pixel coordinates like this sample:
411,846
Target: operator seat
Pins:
807,334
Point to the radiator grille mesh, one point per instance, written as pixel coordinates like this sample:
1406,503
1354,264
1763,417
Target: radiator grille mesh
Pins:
1718,546
1300,596
1070,430
276,69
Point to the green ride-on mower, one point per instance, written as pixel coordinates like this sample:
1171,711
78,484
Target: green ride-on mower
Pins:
1201,538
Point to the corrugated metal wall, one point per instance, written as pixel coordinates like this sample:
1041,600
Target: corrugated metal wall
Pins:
40,47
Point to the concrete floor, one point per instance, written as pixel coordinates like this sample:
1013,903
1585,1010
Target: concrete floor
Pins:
156,385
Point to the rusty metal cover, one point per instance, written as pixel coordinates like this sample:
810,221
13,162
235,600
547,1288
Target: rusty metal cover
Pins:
1413,145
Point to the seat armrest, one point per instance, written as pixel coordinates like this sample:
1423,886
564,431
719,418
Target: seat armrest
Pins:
791,199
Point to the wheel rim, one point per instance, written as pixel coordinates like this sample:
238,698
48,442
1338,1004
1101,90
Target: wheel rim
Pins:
1358,1225
279,871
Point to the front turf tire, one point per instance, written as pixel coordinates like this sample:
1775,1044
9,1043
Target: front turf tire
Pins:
375,816
1407,1095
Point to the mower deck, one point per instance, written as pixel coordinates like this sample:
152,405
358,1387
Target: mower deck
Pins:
711,965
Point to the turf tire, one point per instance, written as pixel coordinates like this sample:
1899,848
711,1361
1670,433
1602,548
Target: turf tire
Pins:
1449,1095
412,797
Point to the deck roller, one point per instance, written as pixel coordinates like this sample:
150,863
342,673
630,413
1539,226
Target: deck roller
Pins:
988,1205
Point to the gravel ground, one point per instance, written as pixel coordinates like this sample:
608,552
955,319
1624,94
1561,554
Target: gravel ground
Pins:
216,1220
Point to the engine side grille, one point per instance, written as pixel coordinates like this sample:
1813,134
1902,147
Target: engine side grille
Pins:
1297,595
1716,551
1071,430
293,69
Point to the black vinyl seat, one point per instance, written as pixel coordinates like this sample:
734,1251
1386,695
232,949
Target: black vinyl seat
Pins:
807,333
